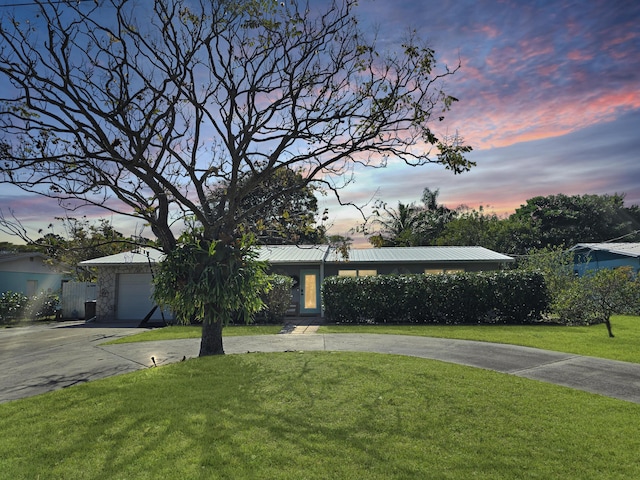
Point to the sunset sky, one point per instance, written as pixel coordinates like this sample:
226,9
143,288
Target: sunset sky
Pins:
549,99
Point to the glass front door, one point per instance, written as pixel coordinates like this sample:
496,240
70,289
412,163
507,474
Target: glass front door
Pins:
309,291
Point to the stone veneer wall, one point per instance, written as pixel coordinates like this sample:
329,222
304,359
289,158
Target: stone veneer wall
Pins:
108,289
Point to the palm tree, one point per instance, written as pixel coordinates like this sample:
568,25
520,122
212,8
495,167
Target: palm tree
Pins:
411,225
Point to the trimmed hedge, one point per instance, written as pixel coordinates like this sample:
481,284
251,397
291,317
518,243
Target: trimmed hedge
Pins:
513,297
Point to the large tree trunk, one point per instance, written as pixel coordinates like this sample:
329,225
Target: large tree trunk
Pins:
211,343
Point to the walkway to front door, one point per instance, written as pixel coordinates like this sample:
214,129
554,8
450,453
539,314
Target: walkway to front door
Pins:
298,326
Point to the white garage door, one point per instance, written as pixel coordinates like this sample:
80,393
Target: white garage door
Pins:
134,297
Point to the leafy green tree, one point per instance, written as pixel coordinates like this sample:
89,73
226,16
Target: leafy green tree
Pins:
83,240
145,109
477,227
211,281
606,292
562,220
80,239
470,227
590,299
557,268
281,210
435,218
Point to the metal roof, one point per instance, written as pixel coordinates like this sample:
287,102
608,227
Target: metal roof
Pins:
316,254
141,256
425,254
279,254
627,249
9,257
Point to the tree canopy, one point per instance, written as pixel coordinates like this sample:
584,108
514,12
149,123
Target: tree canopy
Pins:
564,220
552,221
84,240
145,109
411,225
290,217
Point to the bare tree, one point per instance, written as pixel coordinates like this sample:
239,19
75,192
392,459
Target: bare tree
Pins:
144,110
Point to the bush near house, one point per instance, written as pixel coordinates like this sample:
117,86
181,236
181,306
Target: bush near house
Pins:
588,299
277,299
15,306
514,297
42,305
12,304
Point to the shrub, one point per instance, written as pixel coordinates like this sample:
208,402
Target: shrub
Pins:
12,306
585,300
596,296
278,299
42,305
504,297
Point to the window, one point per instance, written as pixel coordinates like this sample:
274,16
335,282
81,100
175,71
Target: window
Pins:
435,271
357,273
347,273
367,273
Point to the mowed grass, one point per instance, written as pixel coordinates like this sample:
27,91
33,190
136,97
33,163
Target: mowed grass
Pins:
178,332
592,340
318,415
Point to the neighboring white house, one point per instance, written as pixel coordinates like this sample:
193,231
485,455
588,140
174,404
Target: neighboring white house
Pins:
125,279
29,273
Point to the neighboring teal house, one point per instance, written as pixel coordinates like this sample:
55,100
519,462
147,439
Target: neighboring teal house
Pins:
29,273
595,256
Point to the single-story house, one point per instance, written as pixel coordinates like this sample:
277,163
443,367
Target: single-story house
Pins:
29,273
595,256
125,279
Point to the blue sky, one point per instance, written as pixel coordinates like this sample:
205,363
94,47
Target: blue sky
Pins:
549,99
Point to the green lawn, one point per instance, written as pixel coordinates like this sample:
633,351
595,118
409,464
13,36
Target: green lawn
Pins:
318,415
188,331
592,341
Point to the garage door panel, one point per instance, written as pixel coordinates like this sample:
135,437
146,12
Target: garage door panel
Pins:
134,297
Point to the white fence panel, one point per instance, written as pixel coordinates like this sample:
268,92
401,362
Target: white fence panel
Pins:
74,296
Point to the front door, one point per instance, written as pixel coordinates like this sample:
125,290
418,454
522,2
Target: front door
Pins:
309,291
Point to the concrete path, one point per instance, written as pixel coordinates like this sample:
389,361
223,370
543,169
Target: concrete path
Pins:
39,361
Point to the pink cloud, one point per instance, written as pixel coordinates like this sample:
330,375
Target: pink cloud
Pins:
530,48
547,70
489,31
621,37
489,120
578,55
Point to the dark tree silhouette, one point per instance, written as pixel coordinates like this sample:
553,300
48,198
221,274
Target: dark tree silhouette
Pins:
145,108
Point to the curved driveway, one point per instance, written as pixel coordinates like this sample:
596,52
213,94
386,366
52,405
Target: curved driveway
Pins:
35,360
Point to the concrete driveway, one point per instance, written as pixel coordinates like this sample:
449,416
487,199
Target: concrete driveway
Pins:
39,359
42,358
